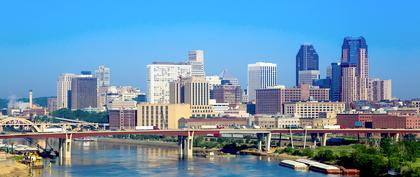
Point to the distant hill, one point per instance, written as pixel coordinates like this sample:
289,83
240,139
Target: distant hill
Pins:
41,101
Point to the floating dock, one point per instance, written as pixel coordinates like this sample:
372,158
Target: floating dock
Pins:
294,165
320,167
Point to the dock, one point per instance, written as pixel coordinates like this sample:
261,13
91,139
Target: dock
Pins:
320,167
294,165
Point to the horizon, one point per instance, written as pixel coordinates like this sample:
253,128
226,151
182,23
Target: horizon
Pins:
125,37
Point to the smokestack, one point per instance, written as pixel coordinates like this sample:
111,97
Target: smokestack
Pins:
30,99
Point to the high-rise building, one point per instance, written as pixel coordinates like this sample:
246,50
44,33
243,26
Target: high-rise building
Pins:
308,76
103,74
306,59
196,60
194,91
381,90
335,90
260,76
355,52
63,88
159,75
349,83
84,92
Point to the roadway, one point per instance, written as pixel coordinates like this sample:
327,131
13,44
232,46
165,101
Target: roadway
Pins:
209,132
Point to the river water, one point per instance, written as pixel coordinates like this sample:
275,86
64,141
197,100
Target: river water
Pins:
100,159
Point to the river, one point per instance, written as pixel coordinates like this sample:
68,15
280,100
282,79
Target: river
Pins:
103,159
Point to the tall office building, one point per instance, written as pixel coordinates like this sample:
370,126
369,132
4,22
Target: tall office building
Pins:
84,92
231,94
63,88
194,91
335,91
349,83
355,52
381,90
196,60
260,76
159,75
306,59
103,74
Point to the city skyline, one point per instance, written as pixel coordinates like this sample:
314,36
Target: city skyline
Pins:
33,59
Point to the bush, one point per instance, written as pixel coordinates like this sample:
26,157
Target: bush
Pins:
325,155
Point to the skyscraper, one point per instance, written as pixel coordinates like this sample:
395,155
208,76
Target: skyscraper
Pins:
63,87
348,83
159,75
84,92
260,76
335,91
306,59
354,52
103,74
196,60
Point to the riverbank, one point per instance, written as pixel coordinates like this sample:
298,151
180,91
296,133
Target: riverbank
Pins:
11,168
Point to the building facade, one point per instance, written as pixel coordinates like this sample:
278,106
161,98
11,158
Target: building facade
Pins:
122,119
231,94
378,121
355,52
63,88
260,76
194,91
196,60
381,90
308,76
162,116
278,121
84,92
103,75
349,84
159,75
313,110
306,59
271,100
203,123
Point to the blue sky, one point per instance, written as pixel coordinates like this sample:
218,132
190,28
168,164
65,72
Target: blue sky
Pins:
41,39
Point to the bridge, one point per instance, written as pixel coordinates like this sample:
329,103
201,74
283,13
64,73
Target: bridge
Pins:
42,126
185,137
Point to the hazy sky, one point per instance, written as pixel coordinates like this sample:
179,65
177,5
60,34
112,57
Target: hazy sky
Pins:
41,39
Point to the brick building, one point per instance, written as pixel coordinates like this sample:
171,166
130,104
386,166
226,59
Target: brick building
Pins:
378,121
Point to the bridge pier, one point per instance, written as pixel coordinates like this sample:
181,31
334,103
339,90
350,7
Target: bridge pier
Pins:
268,142
324,139
64,146
186,145
267,138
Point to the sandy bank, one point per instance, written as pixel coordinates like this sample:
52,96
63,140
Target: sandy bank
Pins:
11,168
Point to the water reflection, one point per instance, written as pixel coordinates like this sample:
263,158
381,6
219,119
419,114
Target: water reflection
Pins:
113,159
